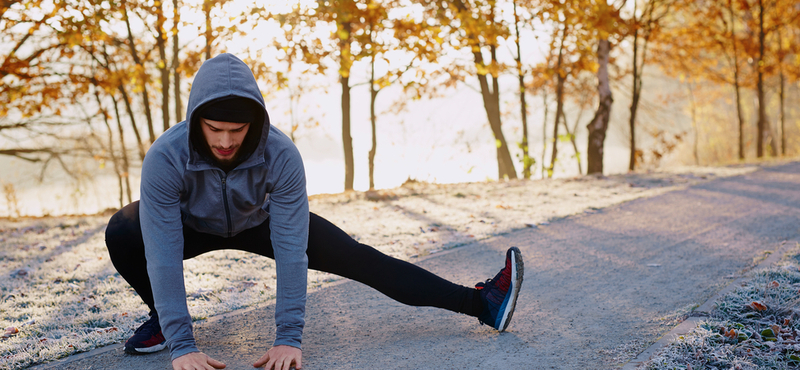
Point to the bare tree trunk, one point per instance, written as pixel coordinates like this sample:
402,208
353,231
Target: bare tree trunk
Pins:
125,162
527,161
111,151
694,123
559,113
491,103
635,96
345,63
347,140
143,78
373,95
561,78
176,63
544,132
736,80
207,12
762,109
161,43
572,140
781,96
491,98
128,107
599,124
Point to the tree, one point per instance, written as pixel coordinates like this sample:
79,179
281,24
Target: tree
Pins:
607,28
527,160
704,41
36,72
644,25
142,79
162,65
474,27
347,22
176,74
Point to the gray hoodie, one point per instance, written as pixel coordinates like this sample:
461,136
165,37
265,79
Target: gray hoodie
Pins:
180,188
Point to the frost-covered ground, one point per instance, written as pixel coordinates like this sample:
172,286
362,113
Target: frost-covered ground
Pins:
60,294
756,326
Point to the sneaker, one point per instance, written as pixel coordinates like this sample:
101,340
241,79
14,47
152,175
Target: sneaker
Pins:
499,295
147,338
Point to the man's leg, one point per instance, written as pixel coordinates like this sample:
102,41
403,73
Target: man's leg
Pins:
331,250
126,249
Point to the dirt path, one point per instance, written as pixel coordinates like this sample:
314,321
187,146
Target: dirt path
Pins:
598,289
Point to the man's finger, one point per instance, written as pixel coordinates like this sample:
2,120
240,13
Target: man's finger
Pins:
216,364
299,363
261,361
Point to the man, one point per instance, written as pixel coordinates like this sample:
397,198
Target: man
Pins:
226,179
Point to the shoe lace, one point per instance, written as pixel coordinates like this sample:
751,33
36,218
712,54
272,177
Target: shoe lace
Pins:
497,286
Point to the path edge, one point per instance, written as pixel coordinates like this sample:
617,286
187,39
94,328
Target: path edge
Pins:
702,312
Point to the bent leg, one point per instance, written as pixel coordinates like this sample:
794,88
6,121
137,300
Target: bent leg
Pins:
331,250
126,249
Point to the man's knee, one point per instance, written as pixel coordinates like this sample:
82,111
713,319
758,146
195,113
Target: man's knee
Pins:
124,225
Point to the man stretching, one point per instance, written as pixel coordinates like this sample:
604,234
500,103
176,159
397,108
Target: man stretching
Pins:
227,179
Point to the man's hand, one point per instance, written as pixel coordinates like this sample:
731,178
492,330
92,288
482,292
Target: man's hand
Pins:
195,361
281,358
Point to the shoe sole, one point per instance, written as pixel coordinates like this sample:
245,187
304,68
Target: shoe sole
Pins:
517,272
145,350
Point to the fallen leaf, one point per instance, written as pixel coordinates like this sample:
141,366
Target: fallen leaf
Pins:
774,284
757,306
731,334
10,332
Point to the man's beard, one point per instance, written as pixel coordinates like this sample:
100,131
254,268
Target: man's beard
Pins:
225,164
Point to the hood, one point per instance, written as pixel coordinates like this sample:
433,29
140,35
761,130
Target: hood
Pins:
223,77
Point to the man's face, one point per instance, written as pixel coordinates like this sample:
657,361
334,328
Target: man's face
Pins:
224,138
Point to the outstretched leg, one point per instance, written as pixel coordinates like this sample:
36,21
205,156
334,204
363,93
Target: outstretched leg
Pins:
331,250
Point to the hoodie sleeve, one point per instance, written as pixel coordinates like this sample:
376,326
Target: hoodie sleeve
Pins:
162,230
288,225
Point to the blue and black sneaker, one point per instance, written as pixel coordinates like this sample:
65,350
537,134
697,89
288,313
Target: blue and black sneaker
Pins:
147,338
499,295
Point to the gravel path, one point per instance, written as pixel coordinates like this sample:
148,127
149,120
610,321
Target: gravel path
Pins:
599,288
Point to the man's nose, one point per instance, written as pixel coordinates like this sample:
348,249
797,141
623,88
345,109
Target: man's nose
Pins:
226,140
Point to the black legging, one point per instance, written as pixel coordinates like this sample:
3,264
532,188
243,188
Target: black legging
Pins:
329,249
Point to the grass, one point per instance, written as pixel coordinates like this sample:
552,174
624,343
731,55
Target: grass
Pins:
756,326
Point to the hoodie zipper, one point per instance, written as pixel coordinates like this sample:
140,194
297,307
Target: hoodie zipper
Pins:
225,202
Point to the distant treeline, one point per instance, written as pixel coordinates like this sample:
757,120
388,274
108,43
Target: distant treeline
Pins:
112,69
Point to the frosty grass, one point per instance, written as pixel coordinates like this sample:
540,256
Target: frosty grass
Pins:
59,290
757,326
